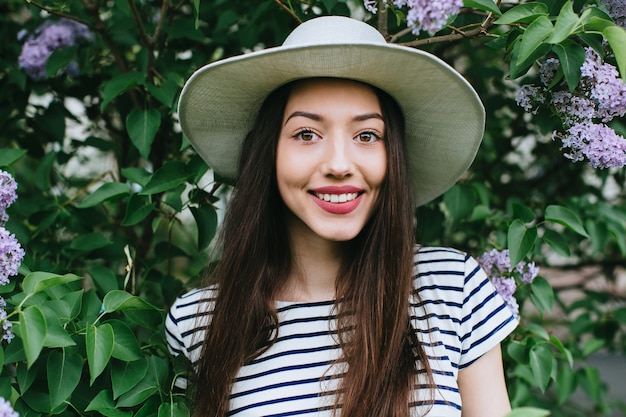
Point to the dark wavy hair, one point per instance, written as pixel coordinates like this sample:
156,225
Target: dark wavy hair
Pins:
379,345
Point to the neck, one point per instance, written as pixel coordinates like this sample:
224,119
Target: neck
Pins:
316,264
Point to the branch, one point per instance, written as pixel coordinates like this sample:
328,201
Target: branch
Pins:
458,34
282,6
60,14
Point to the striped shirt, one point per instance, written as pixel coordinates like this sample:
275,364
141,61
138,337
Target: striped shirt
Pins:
460,317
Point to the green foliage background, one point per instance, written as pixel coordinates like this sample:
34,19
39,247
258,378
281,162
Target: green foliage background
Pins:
117,213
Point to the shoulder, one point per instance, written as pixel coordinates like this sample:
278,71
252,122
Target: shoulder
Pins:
187,306
441,266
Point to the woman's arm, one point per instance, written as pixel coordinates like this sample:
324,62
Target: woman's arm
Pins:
482,387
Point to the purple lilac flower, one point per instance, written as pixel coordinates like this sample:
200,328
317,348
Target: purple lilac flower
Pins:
617,10
547,70
601,83
11,255
33,59
50,37
371,5
6,410
8,194
428,15
572,108
528,97
597,142
497,266
6,329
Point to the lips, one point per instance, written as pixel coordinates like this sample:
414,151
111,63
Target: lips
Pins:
337,199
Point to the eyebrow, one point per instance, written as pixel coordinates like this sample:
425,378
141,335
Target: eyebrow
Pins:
317,117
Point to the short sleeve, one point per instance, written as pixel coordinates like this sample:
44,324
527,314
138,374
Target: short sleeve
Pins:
486,319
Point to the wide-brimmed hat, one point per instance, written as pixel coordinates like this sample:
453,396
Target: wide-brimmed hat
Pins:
444,116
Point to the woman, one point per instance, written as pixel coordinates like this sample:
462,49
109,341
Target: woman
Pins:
322,304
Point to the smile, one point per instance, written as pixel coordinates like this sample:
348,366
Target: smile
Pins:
337,198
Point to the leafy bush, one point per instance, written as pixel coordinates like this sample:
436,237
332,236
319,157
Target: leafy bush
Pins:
116,214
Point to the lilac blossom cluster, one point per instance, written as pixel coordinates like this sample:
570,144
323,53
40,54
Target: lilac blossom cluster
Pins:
497,265
48,38
617,11
6,410
585,112
11,253
427,15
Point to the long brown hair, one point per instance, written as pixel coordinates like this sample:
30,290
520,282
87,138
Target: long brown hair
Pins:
379,345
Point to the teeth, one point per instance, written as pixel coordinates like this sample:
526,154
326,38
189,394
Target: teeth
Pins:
337,198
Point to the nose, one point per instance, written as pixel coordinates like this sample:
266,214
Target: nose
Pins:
339,161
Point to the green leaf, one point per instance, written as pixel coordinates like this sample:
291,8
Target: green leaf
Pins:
121,300
592,345
521,240
9,155
117,85
176,409
565,383
542,294
486,5
63,373
99,345
541,364
137,175
104,278
329,4
616,36
157,374
125,375
32,330
566,353
480,212
517,350
522,212
517,66
89,242
459,201
138,208
108,191
528,412
165,92
536,34
566,23
526,12
169,176
103,404
598,235
538,330
42,281
595,18
142,127
571,56
206,220
589,378
125,346
56,335
557,242
44,170
59,60
566,217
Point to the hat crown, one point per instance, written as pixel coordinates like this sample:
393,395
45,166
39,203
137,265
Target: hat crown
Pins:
333,30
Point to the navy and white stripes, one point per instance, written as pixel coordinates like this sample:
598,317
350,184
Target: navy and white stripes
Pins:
460,317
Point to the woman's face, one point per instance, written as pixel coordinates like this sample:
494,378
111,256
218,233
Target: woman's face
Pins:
331,159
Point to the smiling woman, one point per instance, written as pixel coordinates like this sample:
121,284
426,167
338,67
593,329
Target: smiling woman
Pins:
322,303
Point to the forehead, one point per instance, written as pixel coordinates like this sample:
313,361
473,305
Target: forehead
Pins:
336,91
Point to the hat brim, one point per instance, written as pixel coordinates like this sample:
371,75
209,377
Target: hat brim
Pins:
443,114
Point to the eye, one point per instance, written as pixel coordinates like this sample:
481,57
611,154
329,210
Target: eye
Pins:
306,135
368,137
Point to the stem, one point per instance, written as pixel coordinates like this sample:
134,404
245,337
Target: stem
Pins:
291,12
58,13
